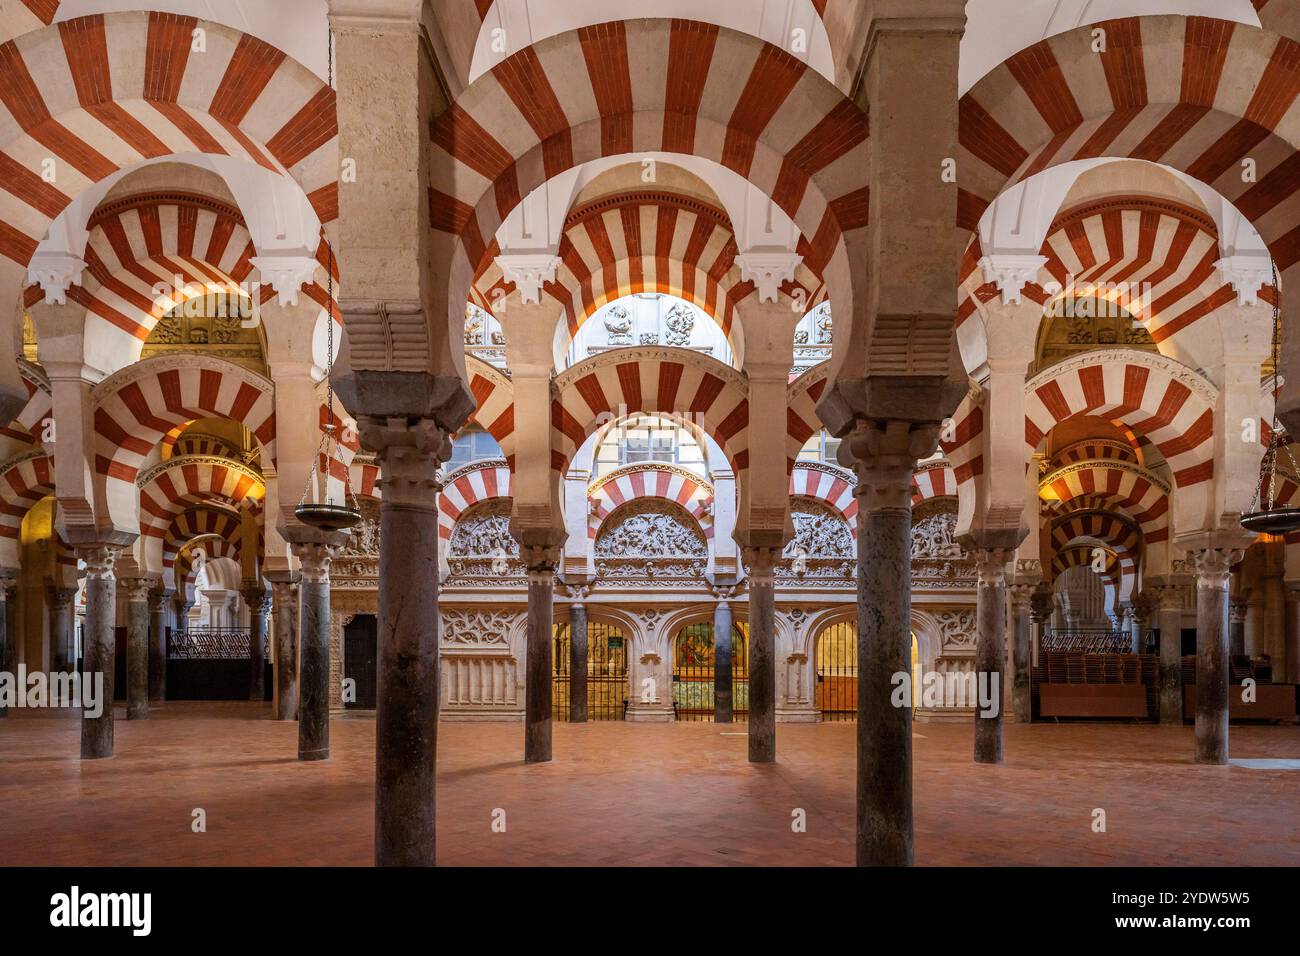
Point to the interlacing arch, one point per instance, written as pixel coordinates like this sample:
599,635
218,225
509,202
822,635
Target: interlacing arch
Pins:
650,481
1083,555
801,421
101,93
827,484
676,382
668,86
494,397
137,406
1130,488
220,526
1118,535
469,486
647,241
1196,94
180,482
24,482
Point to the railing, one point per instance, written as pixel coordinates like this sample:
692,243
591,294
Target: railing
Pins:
1092,641
210,643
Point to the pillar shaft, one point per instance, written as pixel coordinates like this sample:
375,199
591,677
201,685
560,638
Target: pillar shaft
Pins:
1237,627
100,650
137,648
722,663
762,655
61,627
990,648
537,708
578,650
1021,688
159,599
255,598
1171,654
8,655
286,650
314,612
1292,634
1212,566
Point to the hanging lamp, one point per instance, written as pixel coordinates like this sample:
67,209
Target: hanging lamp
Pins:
1266,516
324,514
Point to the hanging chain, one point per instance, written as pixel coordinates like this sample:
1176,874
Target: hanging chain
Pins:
1265,500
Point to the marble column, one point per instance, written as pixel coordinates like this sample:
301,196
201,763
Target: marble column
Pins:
1021,652
1170,620
1292,632
406,714
62,628
578,659
884,458
285,597
990,646
255,598
159,599
137,647
722,660
8,645
762,654
1237,611
1134,629
100,649
1042,605
314,594
1212,567
541,564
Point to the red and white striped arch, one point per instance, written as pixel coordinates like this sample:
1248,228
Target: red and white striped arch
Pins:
102,93
1081,555
23,16
933,479
1114,532
468,487
647,242
1095,450
137,406
1128,488
199,521
28,426
1197,94
671,86
830,485
365,480
637,481
700,389
183,482
801,420
23,484
495,398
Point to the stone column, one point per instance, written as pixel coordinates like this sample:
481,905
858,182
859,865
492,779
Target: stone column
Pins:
884,458
722,659
1170,619
1130,624
1292,632
159,598
762,654
314,707
100,651
1237,611
61,627
541,564
990,649
285,596
1021,689
1042,605
1212,566
137,647
255,598
8,645
406,716
578,658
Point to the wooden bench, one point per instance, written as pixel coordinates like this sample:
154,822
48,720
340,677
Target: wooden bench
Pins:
1272,702
1092,700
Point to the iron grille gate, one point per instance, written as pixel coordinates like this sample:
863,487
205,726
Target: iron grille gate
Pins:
837,672
693,672
606,672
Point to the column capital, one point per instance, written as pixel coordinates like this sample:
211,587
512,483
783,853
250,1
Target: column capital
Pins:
314,558
1237,611
61,598
577,594
1169,595
1212,566
1041,603
540,561
761,563
1011,272
884,455
409,453
254,596
158,597
99,560
991,566
136,588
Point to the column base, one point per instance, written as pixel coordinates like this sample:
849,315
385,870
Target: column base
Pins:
650,714
314,754
801,715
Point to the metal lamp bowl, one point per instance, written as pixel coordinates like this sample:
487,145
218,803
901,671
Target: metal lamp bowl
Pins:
327,517
1274,521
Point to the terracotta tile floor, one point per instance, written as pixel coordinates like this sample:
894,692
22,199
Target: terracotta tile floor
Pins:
648,794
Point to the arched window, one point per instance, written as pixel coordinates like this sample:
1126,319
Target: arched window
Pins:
472,444
646,438
820,447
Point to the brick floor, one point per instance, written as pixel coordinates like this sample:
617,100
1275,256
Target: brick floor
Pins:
644,794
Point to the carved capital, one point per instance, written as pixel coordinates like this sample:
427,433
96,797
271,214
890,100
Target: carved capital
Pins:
991,566
99,560
540,562
1041,604
314,558
1011,272
1212,566
1237,612
137,589
408,455
529,271
158,598
884,457
254,597
761,563
61,598
1169,597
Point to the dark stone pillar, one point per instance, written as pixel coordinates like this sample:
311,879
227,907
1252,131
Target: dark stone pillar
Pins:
1170,619
884,457
286,649
578,660
1212,567
62,629
159,599
8,650
541,564
1292,632
762,654
1021,652
1237,611
722,659
137,647
990,647
255,598
1041,605
314,706
100,648
406,715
